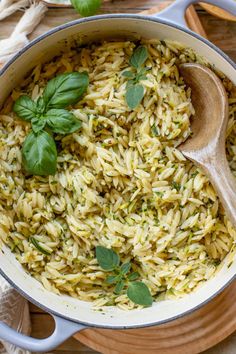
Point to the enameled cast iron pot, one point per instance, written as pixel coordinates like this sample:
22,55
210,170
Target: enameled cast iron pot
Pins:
73,315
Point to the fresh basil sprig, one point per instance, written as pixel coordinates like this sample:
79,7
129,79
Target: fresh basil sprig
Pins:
121,277
134,90
48,115
86,7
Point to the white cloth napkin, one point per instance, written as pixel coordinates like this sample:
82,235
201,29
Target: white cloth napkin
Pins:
14,309
32,16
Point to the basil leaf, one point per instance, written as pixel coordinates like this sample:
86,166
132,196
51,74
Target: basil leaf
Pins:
125,268
139,57
62,121
128,74
139,293
119,287
134,95
65,89
111,279
39,154
130,83
86,7
25,108
38,124
140,77
133,276
107,258
40,105
37,245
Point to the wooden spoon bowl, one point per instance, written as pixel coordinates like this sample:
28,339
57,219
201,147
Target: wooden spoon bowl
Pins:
206,147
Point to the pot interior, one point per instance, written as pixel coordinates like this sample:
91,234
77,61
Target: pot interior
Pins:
41,50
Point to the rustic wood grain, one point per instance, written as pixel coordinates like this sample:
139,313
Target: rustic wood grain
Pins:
221,33
216,11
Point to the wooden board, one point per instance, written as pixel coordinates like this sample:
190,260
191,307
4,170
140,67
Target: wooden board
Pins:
191,334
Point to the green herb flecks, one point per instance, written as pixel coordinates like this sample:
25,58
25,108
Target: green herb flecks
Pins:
38,246
48,114
176,185
134,90
155,130
122,278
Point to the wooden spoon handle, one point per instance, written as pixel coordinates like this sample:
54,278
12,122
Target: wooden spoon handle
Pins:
224,183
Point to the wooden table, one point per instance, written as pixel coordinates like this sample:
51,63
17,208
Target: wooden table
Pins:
220,32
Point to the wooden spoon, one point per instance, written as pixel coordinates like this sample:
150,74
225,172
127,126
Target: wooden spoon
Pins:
206,147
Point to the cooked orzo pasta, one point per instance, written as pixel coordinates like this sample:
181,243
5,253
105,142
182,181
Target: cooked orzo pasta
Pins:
121,181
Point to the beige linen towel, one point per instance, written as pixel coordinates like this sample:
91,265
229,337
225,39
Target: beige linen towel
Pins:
30,19
14,311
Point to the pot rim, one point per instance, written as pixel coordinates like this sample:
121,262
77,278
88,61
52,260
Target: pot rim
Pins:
94,19
119,327
152,18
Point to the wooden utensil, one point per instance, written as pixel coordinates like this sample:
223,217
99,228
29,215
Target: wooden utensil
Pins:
216,11
207,145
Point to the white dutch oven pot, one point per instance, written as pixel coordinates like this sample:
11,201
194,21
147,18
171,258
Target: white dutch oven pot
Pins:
72,315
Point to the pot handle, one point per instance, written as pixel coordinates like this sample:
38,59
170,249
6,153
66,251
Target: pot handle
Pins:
63,330
176,11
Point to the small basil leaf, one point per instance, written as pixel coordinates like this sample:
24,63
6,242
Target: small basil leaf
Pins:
62,121
130,83
86,7
39,154
128,74
107,258
139,293
139,57
125,268
40,105
143,70
133,276
38,124
25,108
119,287
111,279
65,89
141,77
134,95
37,245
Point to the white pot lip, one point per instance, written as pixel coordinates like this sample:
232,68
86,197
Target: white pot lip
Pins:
116,16
94,19
93,325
